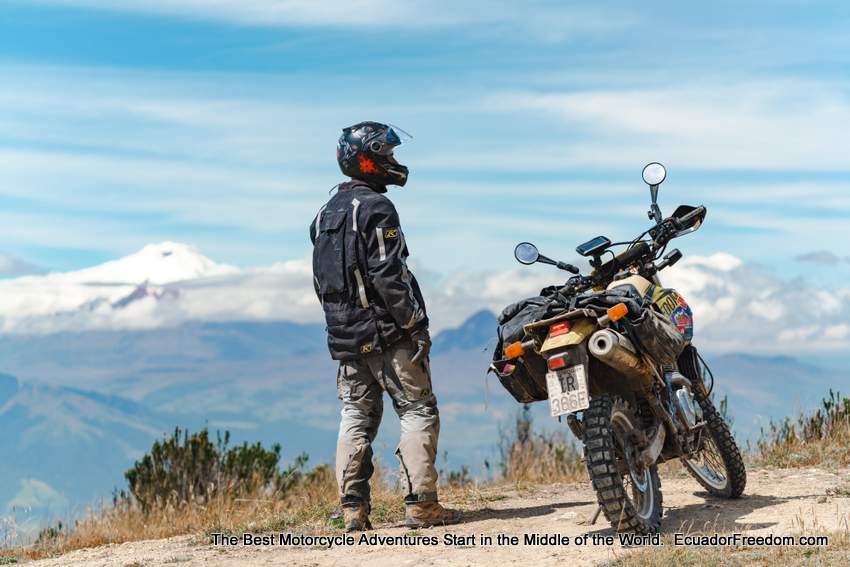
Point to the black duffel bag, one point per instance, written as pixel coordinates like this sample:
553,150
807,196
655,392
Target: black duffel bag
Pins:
524,378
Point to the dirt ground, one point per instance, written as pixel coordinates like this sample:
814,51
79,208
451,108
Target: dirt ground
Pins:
781,502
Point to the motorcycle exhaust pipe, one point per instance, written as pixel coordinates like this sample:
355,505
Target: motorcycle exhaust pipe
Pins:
617,351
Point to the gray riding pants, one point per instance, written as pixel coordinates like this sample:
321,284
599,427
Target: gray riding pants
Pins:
360,386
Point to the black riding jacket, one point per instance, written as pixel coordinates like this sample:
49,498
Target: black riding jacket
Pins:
371,300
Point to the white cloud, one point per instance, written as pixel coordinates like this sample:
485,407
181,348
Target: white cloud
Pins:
720,261
746,308
87,149
837,332
552,21
736,306
259,12
161,285
12,266
726,122
36,494
822,257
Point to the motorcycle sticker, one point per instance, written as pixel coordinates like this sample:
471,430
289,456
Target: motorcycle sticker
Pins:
670,303
683,318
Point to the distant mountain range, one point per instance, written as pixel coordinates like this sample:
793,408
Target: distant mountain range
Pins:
99,363
63,447
86,405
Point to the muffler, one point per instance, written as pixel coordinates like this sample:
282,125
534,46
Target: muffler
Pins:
617,351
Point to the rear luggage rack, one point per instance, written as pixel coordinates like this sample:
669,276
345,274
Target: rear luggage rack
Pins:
574,314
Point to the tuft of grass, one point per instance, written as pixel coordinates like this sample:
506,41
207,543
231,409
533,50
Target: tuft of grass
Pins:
841,491
819,438
535,457
308,506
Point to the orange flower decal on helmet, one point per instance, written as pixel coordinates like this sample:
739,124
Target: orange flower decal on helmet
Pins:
367,165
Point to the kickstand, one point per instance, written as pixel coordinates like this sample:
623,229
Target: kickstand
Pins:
595,516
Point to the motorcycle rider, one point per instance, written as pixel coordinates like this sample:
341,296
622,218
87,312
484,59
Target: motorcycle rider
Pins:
377,328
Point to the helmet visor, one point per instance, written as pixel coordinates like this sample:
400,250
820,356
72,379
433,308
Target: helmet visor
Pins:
398,135
389,140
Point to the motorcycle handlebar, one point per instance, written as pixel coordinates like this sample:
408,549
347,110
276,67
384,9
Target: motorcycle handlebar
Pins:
695,213
626,258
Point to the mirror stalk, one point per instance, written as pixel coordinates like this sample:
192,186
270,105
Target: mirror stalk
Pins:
655,210
655,214
568,267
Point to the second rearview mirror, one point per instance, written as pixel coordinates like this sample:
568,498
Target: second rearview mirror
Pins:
526,253
654,174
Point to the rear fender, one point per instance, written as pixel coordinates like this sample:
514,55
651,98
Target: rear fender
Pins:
580,331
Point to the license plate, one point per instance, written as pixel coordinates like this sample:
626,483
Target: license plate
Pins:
567,390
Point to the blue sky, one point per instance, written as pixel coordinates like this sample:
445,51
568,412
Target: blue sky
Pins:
215,123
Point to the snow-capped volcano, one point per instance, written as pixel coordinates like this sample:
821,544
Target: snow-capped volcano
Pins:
168,284
157,264
162,284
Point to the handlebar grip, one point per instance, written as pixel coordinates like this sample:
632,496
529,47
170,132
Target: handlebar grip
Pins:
696,212
631,255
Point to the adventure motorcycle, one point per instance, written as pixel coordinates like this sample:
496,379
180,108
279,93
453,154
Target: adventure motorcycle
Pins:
611,351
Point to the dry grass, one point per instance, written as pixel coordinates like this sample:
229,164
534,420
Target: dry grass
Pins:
819,439
311,506
538,458
836,554
528,458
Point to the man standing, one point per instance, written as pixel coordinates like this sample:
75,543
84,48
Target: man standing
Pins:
377,328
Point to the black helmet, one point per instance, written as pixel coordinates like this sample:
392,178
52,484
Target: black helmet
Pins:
365,152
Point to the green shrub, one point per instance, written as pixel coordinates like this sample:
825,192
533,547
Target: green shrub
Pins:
189,468
50,535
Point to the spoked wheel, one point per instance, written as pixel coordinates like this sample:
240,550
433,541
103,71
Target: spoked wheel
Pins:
718,465
629,493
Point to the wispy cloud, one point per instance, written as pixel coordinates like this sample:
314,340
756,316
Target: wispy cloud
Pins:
107,159
262,12
727,122
135,155
822,257
735,303
13,266
555,20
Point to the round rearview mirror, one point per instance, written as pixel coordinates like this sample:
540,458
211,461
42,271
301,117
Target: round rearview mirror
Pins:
526,253
654,173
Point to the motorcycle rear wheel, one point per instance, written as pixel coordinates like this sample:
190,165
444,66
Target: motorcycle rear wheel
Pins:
630,500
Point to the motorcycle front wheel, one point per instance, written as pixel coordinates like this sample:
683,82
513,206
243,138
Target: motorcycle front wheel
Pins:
718,465
628,492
